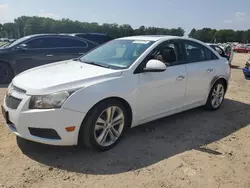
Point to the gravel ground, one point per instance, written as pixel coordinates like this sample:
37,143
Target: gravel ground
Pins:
194,149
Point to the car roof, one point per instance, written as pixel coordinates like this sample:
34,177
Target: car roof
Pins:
102,34
150,37
47,34
211,44
60,35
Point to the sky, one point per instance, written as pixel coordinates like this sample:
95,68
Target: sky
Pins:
188,14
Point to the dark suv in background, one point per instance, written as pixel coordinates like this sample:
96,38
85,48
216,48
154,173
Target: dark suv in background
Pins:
35,50
99,38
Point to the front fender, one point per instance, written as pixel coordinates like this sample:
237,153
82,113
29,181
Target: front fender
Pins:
84,99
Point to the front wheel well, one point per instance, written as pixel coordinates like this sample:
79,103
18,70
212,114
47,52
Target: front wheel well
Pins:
10,72
8,63
223,80
123,101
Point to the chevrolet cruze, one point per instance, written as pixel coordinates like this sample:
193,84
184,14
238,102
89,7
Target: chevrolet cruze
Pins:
126,82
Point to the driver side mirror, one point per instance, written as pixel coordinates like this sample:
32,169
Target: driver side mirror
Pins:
22,47
154,65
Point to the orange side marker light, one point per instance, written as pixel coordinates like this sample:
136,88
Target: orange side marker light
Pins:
70,129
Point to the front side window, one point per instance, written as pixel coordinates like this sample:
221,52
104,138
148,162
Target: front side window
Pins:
167,52
18,41
38,43
118,54
67,43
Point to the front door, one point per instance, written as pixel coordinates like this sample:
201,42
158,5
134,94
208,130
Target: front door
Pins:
161,92
28,58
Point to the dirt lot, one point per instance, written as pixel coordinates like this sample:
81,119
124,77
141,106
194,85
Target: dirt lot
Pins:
194,149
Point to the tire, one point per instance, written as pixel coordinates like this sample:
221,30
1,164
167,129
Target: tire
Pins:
218,94
6,73
90,133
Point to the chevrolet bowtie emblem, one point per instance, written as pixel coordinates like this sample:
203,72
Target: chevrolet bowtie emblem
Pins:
8,93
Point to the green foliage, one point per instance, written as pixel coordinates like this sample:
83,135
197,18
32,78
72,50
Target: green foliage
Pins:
223,35
26,25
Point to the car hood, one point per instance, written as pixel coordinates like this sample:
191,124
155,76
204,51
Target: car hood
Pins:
64,75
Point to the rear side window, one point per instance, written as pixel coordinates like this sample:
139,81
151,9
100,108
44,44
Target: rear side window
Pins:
195,52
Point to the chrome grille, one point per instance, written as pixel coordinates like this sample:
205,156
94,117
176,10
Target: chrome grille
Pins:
12,102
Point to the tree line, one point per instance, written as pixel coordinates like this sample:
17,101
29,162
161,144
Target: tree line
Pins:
26,25
223,35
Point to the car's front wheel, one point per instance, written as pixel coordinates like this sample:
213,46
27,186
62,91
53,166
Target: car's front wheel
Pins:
216,96
104,125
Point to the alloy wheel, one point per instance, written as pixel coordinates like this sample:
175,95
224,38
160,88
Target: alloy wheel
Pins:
109,126
217,95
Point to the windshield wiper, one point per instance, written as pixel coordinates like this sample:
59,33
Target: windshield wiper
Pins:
97,64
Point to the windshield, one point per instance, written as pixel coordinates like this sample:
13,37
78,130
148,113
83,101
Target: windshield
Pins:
17,41
117,54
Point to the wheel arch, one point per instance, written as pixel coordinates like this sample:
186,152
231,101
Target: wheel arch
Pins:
11,72
122,100
8,63
217,79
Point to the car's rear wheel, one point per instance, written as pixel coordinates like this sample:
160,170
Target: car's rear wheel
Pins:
104,125
6,73
216,96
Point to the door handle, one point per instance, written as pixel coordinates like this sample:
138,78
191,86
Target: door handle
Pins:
49,55
179,78
210,70
81,53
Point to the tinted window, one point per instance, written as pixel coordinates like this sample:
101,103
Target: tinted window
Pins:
57,42
19,41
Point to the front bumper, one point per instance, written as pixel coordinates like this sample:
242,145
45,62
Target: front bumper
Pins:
246,72
32,123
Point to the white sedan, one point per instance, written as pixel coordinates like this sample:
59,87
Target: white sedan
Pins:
121,84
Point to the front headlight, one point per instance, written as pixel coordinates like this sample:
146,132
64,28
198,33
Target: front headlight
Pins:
50,101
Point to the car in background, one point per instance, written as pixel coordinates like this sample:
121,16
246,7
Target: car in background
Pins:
36,50
4,39
99,38
3,44
123,83
241,49
222,51
12,40
246,70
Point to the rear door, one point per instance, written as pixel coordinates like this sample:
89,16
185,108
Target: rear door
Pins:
201,70
64,48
